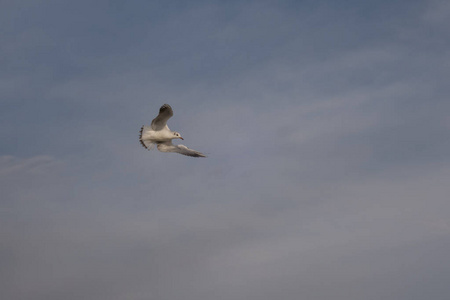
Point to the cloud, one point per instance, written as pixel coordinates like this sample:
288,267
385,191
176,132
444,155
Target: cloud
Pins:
326,131
437,12
330,241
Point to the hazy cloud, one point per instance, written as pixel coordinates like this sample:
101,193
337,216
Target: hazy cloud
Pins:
326,128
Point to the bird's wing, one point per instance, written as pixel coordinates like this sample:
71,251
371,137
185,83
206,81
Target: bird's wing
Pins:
146,143
165,112
182,149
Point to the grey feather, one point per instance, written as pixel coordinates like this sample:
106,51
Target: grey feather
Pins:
165,113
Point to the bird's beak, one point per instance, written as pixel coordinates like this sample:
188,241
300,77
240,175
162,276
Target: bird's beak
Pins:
181,138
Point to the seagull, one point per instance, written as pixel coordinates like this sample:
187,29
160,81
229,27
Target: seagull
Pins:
159,134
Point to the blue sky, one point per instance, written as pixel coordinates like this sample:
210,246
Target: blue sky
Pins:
325,124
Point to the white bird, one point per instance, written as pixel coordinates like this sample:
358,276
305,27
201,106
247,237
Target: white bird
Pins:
160,135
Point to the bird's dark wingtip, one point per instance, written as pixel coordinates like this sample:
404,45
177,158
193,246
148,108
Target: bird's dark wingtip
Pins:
165,107
140,138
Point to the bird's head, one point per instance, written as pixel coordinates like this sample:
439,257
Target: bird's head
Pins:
177,136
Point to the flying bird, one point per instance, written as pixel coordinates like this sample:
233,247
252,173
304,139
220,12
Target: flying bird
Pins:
159,134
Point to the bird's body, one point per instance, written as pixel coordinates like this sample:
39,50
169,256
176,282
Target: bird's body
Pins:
160,135
154,136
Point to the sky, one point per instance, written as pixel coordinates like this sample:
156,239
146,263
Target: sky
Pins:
327,130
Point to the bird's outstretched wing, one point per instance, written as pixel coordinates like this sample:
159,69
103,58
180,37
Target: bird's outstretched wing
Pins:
182,149
146,143
165,112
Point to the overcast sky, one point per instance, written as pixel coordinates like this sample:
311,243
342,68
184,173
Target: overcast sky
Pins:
326,125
